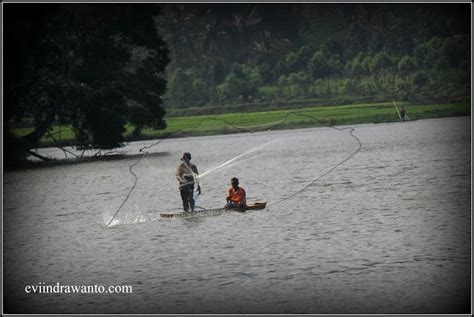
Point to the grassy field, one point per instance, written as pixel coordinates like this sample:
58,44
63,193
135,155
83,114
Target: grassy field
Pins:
278,119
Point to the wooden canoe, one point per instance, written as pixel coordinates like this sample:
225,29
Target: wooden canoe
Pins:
208,212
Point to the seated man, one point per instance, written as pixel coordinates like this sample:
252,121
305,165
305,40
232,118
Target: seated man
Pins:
236,198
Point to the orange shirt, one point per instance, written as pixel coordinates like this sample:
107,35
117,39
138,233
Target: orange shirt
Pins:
237,196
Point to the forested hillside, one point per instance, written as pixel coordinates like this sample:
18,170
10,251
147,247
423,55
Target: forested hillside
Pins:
224,54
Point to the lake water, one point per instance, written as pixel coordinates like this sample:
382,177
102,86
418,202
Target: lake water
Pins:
388,231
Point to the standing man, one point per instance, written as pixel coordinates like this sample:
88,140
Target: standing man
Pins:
186,174
402,113
237,196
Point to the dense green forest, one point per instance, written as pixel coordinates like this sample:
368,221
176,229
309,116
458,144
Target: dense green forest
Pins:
223,54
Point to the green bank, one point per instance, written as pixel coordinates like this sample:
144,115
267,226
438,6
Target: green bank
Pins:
194,125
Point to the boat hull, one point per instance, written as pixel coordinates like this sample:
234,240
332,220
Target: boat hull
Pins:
208,212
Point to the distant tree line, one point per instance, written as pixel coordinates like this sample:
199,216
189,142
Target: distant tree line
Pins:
228,54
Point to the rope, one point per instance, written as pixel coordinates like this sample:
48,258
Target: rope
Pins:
327,172
242,129
130,169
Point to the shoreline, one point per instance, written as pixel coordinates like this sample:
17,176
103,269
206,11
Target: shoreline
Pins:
214,124
124,156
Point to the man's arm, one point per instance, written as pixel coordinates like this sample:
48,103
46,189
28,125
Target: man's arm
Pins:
178,175
195,171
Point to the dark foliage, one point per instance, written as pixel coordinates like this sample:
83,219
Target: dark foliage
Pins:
94,67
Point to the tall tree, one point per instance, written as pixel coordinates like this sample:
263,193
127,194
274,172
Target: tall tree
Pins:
94,67
211,40
243,22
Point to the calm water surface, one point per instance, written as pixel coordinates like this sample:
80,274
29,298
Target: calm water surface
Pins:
386,232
